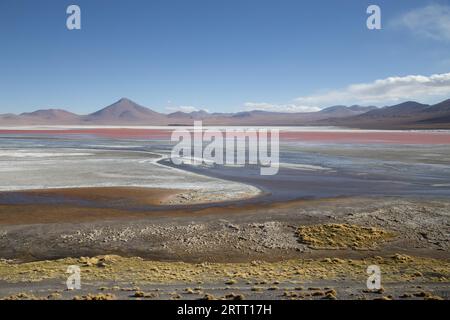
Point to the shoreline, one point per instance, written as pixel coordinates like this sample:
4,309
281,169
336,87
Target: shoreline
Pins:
59,205
302,134
228,190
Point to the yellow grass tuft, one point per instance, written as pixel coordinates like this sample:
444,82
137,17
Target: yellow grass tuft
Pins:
342,236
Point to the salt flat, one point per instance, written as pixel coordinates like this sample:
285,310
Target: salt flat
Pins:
27,165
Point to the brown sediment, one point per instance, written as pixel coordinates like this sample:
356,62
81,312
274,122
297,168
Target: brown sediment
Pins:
117,203
48,213
135,195
99,207
98,203
36,214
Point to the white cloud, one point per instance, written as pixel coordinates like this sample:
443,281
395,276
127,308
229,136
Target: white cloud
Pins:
388,90
432,21
379,92
187,109
279,107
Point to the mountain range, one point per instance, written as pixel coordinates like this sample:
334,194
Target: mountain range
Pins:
407,115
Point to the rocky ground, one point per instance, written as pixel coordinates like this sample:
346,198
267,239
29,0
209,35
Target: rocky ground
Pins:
237,234
324,244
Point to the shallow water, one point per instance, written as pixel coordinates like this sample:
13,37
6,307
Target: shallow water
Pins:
42,162
333,170
307,170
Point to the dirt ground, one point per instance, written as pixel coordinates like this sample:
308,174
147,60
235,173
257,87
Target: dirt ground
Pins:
229,251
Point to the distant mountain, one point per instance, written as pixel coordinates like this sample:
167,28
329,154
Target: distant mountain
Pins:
405,109
437,114
195,115
261,117
255,113
406,115
51,114
441,107
125,111
344,111
41,117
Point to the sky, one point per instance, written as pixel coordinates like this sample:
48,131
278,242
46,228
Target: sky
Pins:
222,55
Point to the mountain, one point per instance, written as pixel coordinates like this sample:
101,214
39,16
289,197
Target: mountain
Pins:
441,107
122,112
405,109
438,114
44,116
51,114
262,117
344,111
406,115
195,115
125,111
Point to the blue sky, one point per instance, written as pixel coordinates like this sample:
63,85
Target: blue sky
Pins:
222,55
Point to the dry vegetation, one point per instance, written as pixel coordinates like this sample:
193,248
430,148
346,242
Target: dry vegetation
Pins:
116,268
342,236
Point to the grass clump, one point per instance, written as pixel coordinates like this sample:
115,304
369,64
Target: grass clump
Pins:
342,236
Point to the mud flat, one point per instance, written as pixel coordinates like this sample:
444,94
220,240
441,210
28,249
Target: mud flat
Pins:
226,233
269,251
105,169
